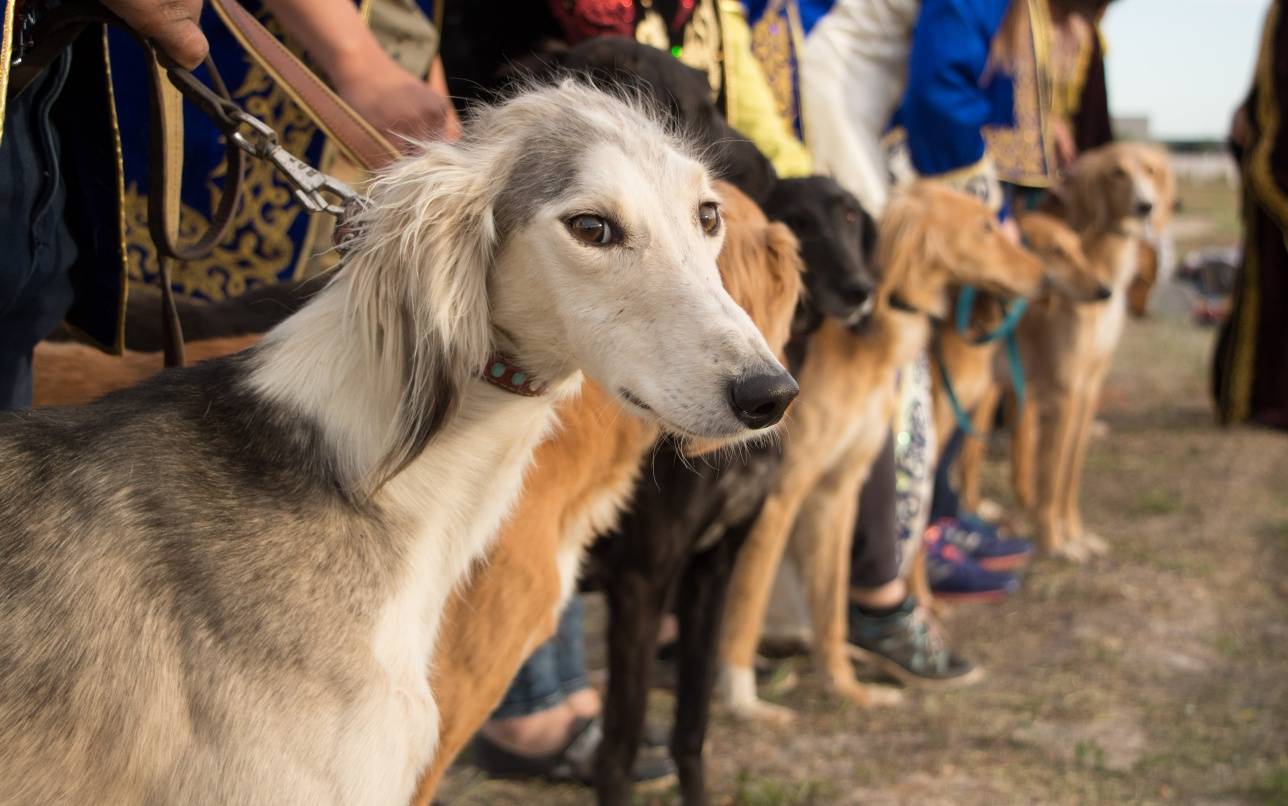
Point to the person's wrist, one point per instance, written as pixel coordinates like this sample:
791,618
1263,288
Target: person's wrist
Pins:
360,61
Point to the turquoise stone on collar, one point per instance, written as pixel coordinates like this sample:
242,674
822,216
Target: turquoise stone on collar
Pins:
502,372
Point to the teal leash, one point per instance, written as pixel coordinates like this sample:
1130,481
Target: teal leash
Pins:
1006,331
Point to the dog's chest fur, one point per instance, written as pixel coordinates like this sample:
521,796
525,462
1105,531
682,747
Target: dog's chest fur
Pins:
849,385
1102,324
451,519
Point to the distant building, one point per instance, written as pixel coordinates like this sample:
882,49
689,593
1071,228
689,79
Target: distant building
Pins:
1132,127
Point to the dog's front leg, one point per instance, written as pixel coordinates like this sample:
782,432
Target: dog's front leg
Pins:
636,597
1055,452
749,588
1071,511
1025,439
700,607
974,447
821,542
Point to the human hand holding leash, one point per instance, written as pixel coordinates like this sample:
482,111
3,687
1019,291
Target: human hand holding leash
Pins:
396,103
173,25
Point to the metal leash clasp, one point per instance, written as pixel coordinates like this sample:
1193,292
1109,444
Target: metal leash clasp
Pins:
315,190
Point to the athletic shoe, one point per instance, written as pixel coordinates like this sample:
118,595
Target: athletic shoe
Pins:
908,646
955,577
984,544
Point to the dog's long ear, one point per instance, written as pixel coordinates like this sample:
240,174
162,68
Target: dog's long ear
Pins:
899,235
784,267
912,249
1085,209
418,274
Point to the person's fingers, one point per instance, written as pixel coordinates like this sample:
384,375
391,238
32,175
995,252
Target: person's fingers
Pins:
173,25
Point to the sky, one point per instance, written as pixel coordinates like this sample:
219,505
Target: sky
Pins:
1185,63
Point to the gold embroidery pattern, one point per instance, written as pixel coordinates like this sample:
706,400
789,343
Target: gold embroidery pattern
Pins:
1262,190
701,48
259,248
7,33
771,44
1024,154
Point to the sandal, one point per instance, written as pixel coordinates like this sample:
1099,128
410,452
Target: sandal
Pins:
574,763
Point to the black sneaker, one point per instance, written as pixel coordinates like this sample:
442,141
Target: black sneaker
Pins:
574,763
909,647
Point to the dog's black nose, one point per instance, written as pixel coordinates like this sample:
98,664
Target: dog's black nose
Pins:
1144,208
758,401
855,292
1103,293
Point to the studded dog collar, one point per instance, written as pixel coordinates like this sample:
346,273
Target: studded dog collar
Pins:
501,371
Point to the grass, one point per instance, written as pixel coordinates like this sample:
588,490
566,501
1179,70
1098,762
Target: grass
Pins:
1158,502
1274,787
1212,209
755,791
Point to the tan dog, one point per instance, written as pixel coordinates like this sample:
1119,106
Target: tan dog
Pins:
1111,197
579,482
975,369
71,374
931,238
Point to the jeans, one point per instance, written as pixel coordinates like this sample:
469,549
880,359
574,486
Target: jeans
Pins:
555,670
35,286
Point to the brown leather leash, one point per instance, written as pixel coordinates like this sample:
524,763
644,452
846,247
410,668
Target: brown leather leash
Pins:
243,133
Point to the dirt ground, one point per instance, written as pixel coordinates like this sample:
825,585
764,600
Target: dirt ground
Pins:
1157,674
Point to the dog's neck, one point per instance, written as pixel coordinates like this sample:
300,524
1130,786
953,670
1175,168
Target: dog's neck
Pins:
1116,247
312,364
900,333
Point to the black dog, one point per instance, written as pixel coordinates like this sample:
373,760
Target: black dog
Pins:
684,95
678,542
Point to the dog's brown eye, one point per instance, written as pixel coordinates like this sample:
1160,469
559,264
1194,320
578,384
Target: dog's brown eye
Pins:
592,230
709,217
851,217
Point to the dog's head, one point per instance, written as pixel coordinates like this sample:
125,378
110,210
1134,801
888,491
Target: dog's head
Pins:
1126,186
932,238
837,239
684,96
1068,269
570,231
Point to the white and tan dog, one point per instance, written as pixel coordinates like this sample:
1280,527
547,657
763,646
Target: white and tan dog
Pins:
1111,198
224,586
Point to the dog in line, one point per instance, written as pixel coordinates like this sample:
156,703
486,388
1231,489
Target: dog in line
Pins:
1111,198
970,364
979,384
225,585
580,480
676,545
684,95
931,239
